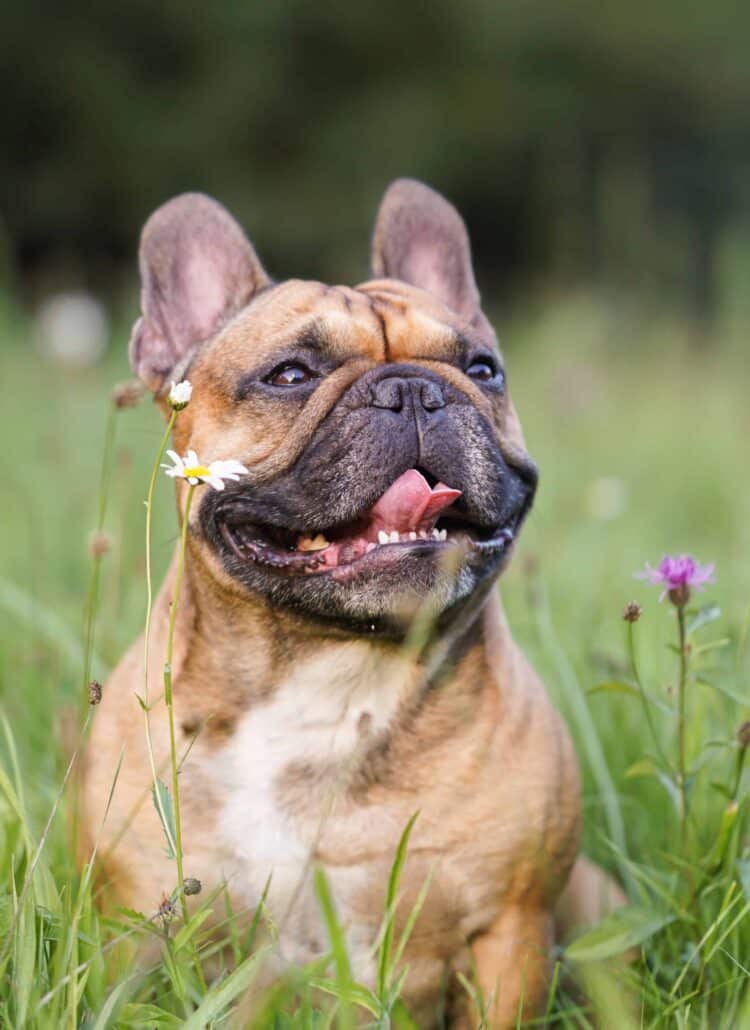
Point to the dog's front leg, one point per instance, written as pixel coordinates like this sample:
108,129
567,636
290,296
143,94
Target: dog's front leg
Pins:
510,969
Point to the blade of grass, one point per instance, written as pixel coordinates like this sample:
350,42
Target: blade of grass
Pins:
221,996
338,946
384,957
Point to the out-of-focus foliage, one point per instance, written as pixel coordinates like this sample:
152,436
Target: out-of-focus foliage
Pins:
606,140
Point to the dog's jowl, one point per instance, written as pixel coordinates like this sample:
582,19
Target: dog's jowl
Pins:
341,657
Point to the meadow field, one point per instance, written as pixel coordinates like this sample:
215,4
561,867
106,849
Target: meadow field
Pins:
640,426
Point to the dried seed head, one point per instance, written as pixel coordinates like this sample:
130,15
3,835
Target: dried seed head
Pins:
127,395
632,611
743,735
95,692
166,909
192,886
99,544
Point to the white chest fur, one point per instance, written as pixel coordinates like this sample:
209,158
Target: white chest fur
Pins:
315,717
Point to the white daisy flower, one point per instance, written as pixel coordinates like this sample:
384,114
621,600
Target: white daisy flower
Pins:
180,394
214,474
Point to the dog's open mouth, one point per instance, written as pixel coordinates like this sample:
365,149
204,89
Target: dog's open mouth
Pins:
412,513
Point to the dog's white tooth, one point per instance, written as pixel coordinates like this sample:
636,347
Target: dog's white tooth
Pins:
370,547
436,534
423,534
443,534
383,537
394,536
412,535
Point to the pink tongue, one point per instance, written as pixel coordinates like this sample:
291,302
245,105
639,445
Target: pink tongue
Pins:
412,504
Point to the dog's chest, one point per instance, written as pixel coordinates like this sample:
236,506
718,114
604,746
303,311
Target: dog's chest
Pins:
279,776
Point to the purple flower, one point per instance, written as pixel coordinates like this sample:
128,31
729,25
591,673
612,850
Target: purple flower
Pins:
677,576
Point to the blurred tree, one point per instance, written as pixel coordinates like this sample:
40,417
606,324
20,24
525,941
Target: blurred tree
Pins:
586,139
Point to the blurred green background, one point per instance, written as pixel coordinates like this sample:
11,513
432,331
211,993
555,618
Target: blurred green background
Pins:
607,143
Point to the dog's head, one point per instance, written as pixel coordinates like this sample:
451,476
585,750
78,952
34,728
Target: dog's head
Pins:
386,463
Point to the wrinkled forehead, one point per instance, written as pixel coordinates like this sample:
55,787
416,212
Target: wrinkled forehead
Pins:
380,320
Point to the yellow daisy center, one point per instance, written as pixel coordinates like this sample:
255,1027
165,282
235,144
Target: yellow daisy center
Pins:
195,471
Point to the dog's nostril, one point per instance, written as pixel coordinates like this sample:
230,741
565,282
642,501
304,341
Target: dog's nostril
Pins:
388,393
431,396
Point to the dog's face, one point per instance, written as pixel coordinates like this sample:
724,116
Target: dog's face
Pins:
386,464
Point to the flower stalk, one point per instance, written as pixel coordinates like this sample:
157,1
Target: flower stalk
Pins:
681,725
168,700
678,577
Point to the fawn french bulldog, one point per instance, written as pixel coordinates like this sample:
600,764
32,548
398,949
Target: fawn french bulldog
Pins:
387,481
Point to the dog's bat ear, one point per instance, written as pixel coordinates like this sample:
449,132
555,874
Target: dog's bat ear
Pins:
198,269
421,239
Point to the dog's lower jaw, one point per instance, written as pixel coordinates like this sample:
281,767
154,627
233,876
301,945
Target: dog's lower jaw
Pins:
320,754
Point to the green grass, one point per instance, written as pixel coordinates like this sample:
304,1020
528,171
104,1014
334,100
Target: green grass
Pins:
641,437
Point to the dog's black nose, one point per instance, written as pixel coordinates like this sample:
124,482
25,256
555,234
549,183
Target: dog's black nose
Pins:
391,391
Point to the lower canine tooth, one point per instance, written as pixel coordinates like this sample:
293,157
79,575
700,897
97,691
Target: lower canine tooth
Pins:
316,543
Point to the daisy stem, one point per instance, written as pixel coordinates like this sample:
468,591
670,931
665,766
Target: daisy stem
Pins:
681,691
175,764
147,629
149,580
168,698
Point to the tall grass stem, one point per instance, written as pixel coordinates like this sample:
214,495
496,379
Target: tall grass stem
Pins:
92,597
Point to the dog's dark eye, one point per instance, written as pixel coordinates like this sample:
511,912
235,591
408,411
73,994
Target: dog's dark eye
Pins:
482,369
290,374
